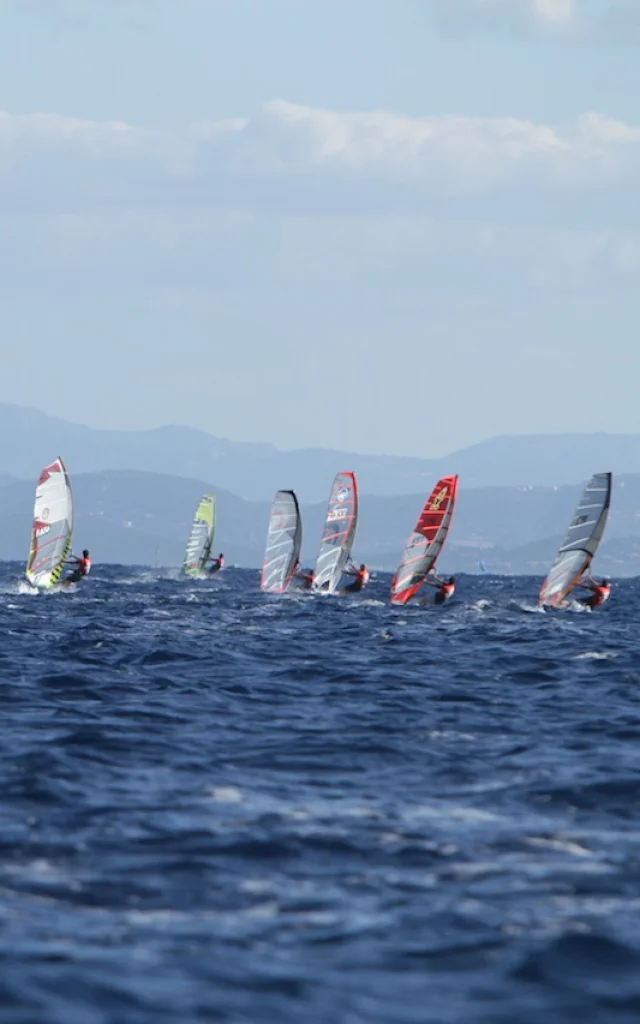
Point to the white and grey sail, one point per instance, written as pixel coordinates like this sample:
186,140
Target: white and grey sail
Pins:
284,540
581,540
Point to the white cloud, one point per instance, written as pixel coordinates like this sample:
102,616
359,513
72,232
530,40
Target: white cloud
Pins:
446,153
98,138
606,20
585,19
546,15
30,136
289,144
297,196
555,13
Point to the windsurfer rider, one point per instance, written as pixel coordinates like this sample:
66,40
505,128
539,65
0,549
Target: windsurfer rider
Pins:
306,579
445,589
82,567
216,564
599,592
361,578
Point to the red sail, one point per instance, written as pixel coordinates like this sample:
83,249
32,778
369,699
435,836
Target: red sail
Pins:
426,541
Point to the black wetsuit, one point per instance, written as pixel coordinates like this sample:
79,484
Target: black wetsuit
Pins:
361,580
443,595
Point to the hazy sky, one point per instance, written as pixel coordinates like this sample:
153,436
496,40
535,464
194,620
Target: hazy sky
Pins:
382,225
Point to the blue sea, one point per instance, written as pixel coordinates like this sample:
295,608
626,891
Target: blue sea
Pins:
219,806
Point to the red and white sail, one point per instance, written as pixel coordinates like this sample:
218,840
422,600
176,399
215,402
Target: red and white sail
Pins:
426,541
339,532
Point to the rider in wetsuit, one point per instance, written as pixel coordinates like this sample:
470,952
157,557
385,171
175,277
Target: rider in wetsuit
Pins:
361,578
82,567
306,579
599,592
216,564
444,588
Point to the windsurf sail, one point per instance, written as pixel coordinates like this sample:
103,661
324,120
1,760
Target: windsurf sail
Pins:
339,532
581,541
284,539
201,536
426,541
52,526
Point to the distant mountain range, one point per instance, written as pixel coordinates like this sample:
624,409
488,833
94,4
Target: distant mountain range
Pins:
140,517
29,439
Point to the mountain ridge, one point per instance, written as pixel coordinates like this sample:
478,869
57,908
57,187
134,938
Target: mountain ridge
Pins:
29,439
144,518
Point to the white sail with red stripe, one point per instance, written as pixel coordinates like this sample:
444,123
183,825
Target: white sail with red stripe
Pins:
52,526
340,525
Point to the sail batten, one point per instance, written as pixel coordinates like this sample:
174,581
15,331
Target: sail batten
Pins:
52,526
426,541
201,534
576,553
339,532
284,540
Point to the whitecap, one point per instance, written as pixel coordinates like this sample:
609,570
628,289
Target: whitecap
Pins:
531,609
226,794
595,656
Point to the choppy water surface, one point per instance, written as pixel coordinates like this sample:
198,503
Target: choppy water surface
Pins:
219,806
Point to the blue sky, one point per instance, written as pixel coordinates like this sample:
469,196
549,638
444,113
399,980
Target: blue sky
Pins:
391,225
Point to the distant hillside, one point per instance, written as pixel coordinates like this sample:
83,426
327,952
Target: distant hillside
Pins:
133,517
29,439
